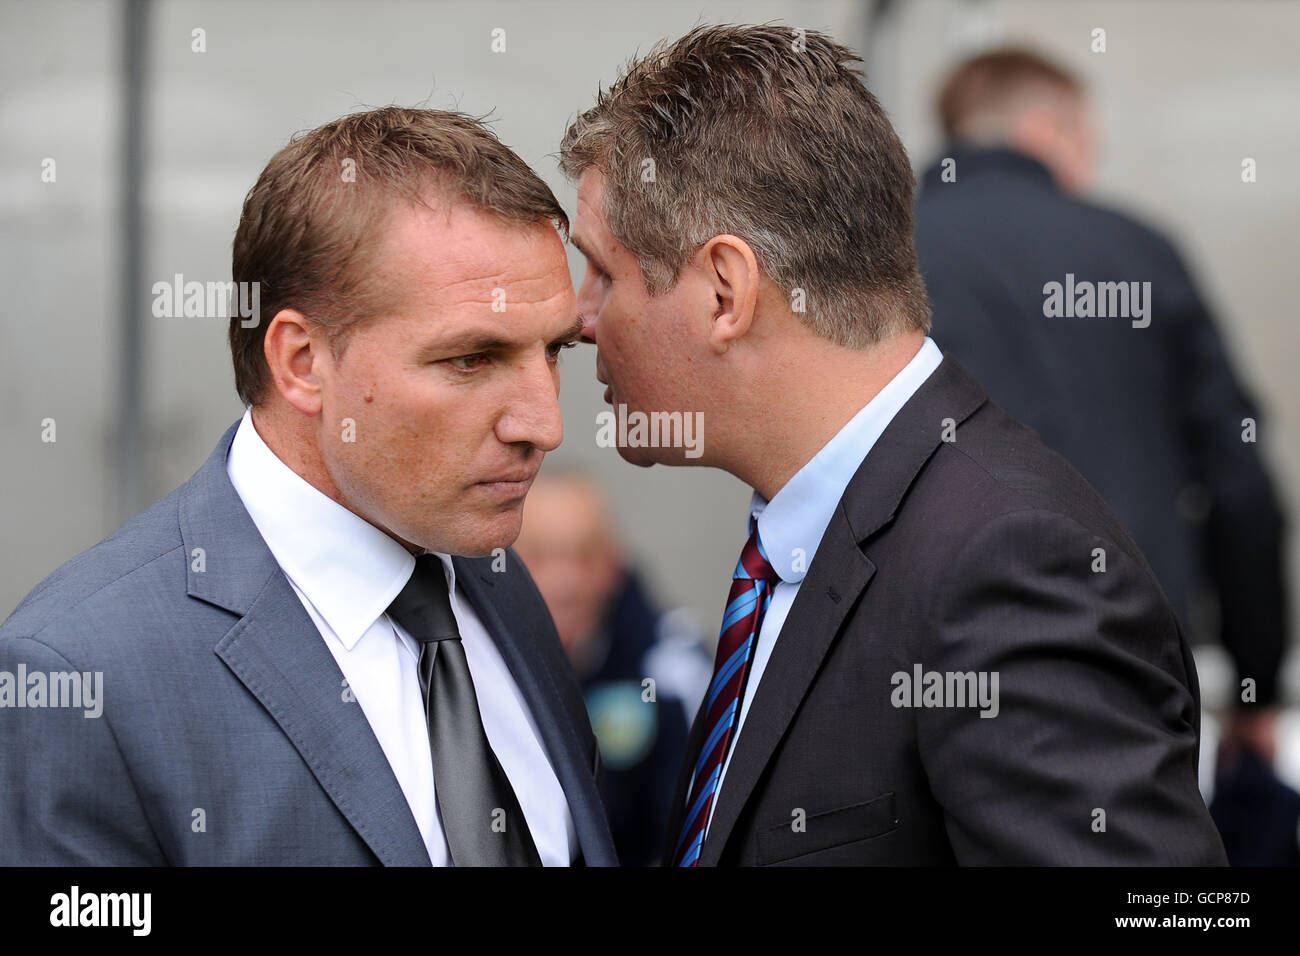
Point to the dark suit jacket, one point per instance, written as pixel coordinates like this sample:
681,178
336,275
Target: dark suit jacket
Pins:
226,737
1152,417
971,555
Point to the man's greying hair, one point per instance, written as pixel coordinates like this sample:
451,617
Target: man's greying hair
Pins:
313,223
768,134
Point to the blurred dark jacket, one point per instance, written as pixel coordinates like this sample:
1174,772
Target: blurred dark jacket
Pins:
1152,416
642,741
1258,815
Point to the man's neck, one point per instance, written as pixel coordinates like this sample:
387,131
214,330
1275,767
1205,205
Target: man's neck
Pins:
292,442
807,403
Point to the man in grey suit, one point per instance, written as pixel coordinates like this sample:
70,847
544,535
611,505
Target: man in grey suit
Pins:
320,649
939,645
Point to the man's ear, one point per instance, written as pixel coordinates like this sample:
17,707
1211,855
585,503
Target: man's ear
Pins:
731,269
293,355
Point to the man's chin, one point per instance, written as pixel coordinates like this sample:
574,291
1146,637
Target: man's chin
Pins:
645,457
487,540
642,457
495,538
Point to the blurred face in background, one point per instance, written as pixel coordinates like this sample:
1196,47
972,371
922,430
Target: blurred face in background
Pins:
567,542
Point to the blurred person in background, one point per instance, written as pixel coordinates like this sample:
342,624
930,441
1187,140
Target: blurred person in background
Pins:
1146,404
616,640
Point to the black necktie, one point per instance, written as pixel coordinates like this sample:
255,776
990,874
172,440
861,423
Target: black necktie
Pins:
480,814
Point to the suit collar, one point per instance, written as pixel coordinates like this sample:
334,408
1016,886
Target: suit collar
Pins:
349,570
229,563
793,523
836,579
932,415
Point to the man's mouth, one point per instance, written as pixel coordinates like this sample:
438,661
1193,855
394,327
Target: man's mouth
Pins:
509,486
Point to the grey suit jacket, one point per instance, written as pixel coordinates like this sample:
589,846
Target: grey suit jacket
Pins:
227,736
963,546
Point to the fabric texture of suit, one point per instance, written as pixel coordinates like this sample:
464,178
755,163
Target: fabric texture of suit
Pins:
962,544
1151,416
227,736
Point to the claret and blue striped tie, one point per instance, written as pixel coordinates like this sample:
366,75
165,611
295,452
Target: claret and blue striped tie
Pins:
751,592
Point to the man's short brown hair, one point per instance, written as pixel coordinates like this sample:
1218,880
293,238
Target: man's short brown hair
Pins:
769,134
313,222
989,87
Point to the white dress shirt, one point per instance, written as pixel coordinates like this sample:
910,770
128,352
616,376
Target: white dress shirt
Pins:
791,525
346,572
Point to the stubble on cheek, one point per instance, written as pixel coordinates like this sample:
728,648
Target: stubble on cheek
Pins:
412,469
367,458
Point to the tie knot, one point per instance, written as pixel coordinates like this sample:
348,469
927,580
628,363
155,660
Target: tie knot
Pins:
753,564
424,606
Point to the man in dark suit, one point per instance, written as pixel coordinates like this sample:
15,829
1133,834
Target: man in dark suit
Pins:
1146,405
939,644
319,650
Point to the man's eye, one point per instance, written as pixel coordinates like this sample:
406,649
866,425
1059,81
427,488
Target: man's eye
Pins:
467,363
553,351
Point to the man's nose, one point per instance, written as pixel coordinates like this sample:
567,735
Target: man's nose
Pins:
533,415
588,333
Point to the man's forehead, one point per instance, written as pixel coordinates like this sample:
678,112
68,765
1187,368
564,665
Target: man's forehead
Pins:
590,234
474,254
591,193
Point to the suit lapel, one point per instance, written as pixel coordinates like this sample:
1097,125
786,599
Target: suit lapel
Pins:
838,575
835,582
277,653
520,643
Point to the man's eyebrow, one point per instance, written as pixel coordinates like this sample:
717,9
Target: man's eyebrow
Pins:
572,333
467,343
473,342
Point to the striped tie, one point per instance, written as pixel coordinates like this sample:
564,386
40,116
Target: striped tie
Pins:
751,592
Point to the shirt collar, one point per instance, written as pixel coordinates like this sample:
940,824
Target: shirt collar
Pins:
791,525
346,567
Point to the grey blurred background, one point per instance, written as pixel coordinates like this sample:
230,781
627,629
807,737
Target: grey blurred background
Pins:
1184,92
